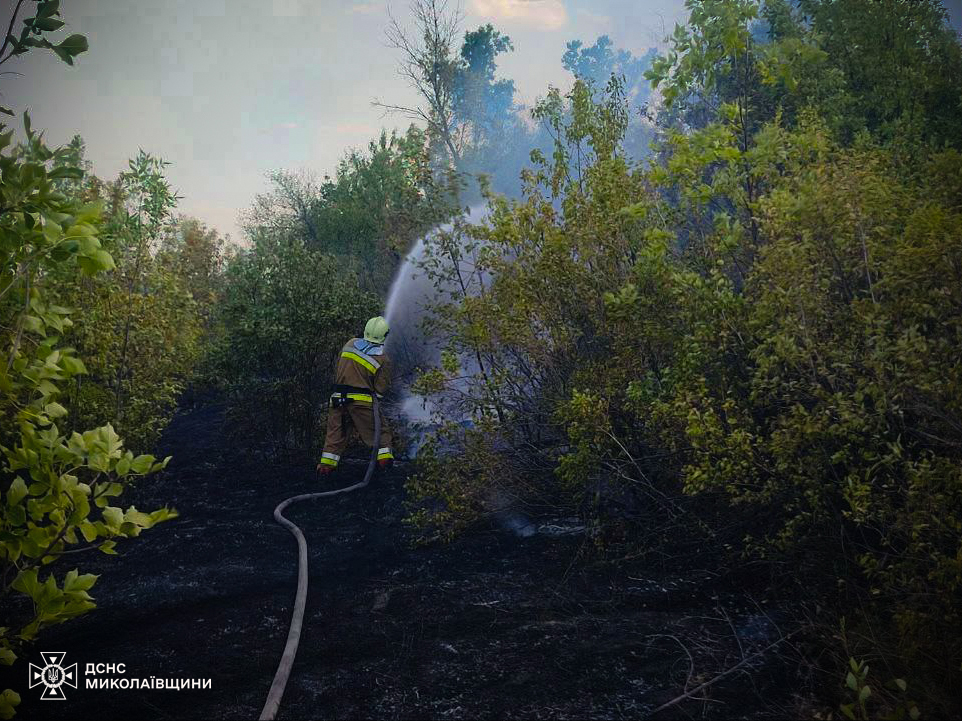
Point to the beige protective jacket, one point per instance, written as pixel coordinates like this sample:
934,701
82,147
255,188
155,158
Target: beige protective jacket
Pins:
363,365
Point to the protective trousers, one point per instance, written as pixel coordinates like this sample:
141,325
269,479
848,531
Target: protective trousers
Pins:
361,416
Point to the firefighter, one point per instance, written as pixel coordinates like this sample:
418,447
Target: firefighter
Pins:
363,370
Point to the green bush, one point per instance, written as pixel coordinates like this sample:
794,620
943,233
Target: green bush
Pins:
285,312
57,486
767,315
143,320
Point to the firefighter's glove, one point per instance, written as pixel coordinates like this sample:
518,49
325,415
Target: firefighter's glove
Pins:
385,463
324,469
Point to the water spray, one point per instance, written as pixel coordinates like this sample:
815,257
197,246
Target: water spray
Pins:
408,284
403,314
409,301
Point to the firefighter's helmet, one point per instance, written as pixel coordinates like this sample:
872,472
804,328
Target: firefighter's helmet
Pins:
376,330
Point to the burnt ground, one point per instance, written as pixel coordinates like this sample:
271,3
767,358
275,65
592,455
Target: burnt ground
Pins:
493,625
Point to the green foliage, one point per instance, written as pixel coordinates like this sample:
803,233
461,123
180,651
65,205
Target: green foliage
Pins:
144,318
770,309
9,700
471,122
367,216
890,68
858,689
450,493
708,49
480,100
526,308
855,681
57,487
597,64
482,104
823,390
816,378
35,33
377,205
900,64
197,255
285,312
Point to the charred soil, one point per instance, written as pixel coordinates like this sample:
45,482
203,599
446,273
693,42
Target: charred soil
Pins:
493,625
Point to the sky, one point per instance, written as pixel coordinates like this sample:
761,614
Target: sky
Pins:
229,90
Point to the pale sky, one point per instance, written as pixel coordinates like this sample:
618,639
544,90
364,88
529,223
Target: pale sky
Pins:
229,90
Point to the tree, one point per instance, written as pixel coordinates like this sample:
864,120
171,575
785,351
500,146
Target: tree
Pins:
141,324
197,255
57,489
472,122
149,192
367,215
520,310
429,65
597,63
284,313
752,340
288,208
74,157
901,64
482,103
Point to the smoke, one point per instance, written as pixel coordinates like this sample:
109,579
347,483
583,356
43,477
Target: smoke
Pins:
413,294
501,133
501,139
499,136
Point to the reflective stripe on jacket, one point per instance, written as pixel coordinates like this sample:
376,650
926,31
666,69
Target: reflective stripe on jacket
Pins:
361,365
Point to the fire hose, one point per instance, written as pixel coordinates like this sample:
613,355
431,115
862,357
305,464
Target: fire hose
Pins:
300,599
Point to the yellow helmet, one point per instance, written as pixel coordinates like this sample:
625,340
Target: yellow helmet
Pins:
376,330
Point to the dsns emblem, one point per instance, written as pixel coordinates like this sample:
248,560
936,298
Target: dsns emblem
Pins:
54,675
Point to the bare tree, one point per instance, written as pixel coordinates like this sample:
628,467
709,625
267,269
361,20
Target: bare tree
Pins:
288,207
429,64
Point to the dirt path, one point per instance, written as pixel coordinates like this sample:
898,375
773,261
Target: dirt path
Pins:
491,626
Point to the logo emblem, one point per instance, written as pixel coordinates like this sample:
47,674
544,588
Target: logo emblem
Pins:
53,675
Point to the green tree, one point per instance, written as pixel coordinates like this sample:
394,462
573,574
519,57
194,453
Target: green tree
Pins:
484,104
521,313
197,254
471,120
367,216
901,66
597,63
429,64
285,312
143,324
377,206
753,338
57,488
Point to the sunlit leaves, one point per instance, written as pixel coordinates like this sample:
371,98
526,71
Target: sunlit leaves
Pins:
716,36
58,488
34,30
